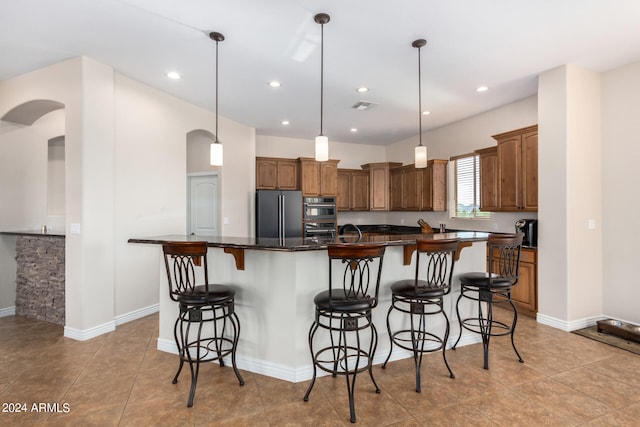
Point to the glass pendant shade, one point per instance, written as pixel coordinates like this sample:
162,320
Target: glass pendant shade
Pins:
421,156
216,154
322,148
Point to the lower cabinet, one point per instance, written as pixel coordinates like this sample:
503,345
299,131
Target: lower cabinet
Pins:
525,293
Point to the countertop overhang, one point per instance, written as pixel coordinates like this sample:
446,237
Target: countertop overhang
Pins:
32,233
237,245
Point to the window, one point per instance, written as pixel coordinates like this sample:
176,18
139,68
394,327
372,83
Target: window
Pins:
465,181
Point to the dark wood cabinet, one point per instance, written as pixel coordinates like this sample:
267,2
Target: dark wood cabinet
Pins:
353,190
379,184
525,293
276,174
517,156
318,178
489,179
434,186
419,189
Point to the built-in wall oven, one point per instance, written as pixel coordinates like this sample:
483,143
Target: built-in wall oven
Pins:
319,217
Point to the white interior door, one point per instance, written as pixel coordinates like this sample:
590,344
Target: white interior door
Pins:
203,205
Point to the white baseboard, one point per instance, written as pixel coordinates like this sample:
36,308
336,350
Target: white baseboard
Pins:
87,334
305,373
567,326
9,311
137,314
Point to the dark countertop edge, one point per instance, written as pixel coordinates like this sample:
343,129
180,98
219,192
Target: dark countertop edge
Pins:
32,233
296,245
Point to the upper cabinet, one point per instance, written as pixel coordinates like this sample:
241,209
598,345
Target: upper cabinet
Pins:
379,184
318,178
489,179
353,190
276,174
419,189
518,169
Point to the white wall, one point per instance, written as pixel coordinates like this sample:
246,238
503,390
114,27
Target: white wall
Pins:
621,195
570,257
125,156
151,181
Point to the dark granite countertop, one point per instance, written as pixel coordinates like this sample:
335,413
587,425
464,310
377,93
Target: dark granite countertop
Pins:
33,233
309,244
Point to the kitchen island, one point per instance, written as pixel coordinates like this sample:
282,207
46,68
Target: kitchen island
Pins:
276,280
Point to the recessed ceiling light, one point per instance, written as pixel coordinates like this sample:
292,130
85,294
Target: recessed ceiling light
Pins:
285,122
426,113
362,89
174,75
275,83
482,89
353,130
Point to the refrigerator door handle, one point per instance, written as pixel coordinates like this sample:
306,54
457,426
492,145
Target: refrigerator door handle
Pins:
279,215
282,217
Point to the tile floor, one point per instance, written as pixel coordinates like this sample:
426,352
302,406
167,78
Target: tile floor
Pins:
121,379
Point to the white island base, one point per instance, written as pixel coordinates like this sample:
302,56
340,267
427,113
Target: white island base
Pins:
274,302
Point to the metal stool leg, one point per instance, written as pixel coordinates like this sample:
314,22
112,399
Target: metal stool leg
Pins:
444,343
235,323
384,365
513,329
312,331
459,319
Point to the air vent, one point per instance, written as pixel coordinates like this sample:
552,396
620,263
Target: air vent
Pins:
363,105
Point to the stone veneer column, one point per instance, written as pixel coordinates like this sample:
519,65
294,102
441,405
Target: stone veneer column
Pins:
40,278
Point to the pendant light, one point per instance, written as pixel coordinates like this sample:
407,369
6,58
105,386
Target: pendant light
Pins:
420,150
216,146
322,142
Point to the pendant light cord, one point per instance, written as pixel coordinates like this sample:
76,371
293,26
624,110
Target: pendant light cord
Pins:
216,91
419,98
321,76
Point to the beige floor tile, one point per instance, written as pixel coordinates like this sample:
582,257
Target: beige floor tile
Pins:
120,378
610,391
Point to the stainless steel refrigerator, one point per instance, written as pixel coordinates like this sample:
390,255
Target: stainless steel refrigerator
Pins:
278,213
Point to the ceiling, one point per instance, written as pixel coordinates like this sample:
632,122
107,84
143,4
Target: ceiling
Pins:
503,44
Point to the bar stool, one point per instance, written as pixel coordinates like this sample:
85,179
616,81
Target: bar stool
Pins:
201,305
493,288
344,310
421,297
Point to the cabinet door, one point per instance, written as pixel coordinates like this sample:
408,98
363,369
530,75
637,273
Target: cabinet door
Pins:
360,191
287,174
343,200
379,182
438,172
489,180
426,204
509,153
328,178
529,164
310,177
396,177
412,188
266,174
525,293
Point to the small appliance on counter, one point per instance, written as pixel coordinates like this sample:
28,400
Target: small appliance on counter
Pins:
530,229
